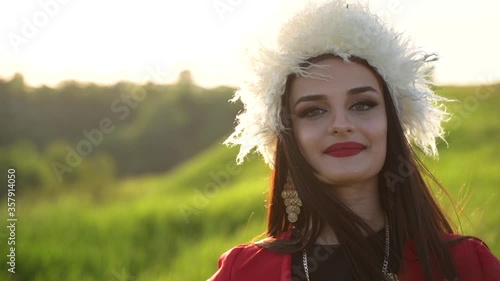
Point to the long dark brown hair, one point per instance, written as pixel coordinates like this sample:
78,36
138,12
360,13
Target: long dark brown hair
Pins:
404,193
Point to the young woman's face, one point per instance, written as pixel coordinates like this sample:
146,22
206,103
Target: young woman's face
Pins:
340,122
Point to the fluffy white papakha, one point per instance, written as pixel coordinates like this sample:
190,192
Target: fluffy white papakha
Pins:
344,30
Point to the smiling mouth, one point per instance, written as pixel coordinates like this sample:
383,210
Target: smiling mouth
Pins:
344,149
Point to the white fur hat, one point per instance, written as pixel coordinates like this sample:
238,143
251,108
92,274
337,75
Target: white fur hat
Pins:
343,30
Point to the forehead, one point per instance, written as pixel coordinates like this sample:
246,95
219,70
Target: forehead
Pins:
333,76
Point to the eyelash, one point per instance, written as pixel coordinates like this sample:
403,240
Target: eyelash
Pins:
366,103
310,111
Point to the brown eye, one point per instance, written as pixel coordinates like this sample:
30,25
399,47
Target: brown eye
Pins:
311,112
363,106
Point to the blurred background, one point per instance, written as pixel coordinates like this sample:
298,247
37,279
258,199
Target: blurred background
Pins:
113,115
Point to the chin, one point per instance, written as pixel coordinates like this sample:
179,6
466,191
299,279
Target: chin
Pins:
339,179
342,179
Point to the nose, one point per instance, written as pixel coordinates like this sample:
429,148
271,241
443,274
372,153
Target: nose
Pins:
340,123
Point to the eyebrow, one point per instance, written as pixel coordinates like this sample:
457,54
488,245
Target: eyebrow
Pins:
352,91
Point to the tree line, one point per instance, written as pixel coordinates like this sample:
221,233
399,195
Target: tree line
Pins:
78,131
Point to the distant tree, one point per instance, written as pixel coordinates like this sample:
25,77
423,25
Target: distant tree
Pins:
16,84
31,171
68,167
168,125
185,78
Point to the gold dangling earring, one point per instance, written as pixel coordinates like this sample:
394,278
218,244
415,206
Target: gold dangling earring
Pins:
292,200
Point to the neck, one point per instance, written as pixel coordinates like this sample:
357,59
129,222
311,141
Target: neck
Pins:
363,200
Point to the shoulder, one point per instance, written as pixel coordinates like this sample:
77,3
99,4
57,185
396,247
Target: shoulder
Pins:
460,244
473,258
250,262
242,252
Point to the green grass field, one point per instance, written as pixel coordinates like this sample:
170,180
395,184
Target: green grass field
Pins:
175,226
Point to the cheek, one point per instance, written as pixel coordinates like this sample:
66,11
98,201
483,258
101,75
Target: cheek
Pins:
379,137
381,134
306,137
375,129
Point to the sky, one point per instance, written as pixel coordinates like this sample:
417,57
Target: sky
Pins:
104,42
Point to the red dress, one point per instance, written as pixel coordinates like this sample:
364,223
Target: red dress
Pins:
473,261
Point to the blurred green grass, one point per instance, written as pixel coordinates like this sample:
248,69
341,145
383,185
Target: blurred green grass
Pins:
175,226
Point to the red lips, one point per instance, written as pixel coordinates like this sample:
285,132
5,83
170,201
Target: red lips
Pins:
344,149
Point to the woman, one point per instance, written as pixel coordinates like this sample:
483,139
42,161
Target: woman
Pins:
335,110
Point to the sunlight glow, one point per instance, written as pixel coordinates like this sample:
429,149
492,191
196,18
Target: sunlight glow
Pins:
107,41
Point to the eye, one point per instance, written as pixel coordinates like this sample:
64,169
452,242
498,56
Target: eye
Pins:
311,112
363,105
